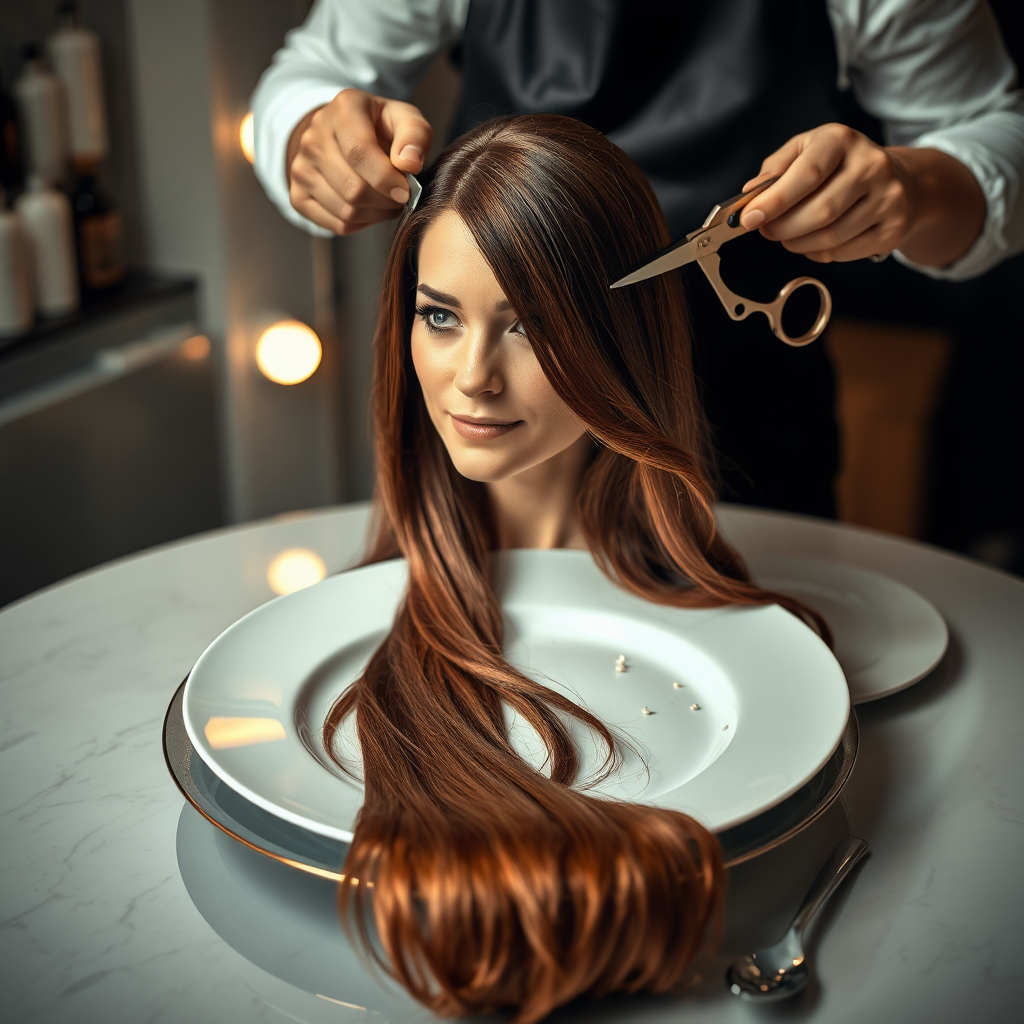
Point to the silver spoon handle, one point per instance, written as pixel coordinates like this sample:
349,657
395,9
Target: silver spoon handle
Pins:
835,870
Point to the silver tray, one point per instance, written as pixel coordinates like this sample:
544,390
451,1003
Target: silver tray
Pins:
318,855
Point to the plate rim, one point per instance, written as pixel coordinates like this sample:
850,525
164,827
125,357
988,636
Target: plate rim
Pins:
847,750
923,606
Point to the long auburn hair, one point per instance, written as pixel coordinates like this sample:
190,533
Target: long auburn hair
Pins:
494,885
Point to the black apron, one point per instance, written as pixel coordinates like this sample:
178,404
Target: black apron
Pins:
698,94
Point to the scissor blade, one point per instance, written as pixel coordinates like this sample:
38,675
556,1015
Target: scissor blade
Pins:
693,247
713,234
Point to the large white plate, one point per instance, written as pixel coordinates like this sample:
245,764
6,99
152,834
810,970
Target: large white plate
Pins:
886,635
772,700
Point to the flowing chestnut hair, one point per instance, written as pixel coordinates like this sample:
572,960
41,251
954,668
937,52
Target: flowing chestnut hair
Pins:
495,885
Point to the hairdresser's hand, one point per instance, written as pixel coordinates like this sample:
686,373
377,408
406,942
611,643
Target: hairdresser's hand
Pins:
347,160
842,197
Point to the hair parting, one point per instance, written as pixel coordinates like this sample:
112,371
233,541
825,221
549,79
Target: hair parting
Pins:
496,886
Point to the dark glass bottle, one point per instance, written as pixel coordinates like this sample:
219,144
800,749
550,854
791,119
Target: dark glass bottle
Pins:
11,170
98,227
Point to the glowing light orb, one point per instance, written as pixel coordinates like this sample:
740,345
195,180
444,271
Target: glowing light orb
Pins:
245,137
288,352
295,569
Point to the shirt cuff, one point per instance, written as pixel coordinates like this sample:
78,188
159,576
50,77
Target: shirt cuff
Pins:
991,246
274,119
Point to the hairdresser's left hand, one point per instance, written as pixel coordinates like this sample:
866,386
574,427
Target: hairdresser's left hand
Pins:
842,197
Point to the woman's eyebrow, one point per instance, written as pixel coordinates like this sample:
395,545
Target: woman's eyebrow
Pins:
433,293
451,300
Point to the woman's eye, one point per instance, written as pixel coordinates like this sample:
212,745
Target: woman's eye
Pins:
518,328
436,319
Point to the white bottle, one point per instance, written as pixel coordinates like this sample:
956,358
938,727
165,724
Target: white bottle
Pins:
15,274
42,107
74,54
46,214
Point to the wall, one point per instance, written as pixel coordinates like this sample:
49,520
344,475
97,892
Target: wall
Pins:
194,66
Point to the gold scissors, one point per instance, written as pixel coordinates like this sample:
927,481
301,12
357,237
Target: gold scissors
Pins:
723,225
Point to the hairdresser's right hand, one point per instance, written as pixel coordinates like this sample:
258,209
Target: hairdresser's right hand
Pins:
347,160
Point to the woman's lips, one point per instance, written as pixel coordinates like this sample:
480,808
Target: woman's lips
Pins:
482,429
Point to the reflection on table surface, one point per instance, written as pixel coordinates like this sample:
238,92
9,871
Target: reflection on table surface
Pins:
284,923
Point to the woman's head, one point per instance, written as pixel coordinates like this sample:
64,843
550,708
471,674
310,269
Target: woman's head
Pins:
494,885
527,220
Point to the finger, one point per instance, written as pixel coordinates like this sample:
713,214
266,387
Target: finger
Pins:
376,218
820,210
314,197
312,210
410,134
326,189
303,181
772,166
361,148
868,243
347,213
863,215
814,164
353,188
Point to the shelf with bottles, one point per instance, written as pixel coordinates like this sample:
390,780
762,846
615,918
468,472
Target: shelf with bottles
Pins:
60,235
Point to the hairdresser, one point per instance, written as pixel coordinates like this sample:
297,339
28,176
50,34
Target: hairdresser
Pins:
705,97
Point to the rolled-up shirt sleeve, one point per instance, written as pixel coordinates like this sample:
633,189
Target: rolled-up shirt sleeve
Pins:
382,47
936,73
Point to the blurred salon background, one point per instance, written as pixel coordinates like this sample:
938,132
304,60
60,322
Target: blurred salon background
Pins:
175,357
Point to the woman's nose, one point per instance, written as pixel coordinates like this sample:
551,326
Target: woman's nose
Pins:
478,372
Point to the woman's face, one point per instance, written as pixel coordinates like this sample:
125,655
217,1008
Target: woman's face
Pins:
484,389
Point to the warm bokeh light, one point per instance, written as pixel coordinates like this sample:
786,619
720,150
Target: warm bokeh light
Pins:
288,352
225,733
197,347
245,137
295,569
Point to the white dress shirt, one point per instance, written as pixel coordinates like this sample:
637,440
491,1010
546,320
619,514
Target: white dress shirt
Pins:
934,72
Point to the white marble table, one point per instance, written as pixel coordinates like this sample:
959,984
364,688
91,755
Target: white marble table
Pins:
120,904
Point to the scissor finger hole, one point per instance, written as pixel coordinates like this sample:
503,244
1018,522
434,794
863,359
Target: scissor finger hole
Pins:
801,310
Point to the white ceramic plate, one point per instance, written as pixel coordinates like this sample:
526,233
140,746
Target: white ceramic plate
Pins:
773,702
887,636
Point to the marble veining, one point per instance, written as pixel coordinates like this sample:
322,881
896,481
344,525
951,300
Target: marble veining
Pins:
96,923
